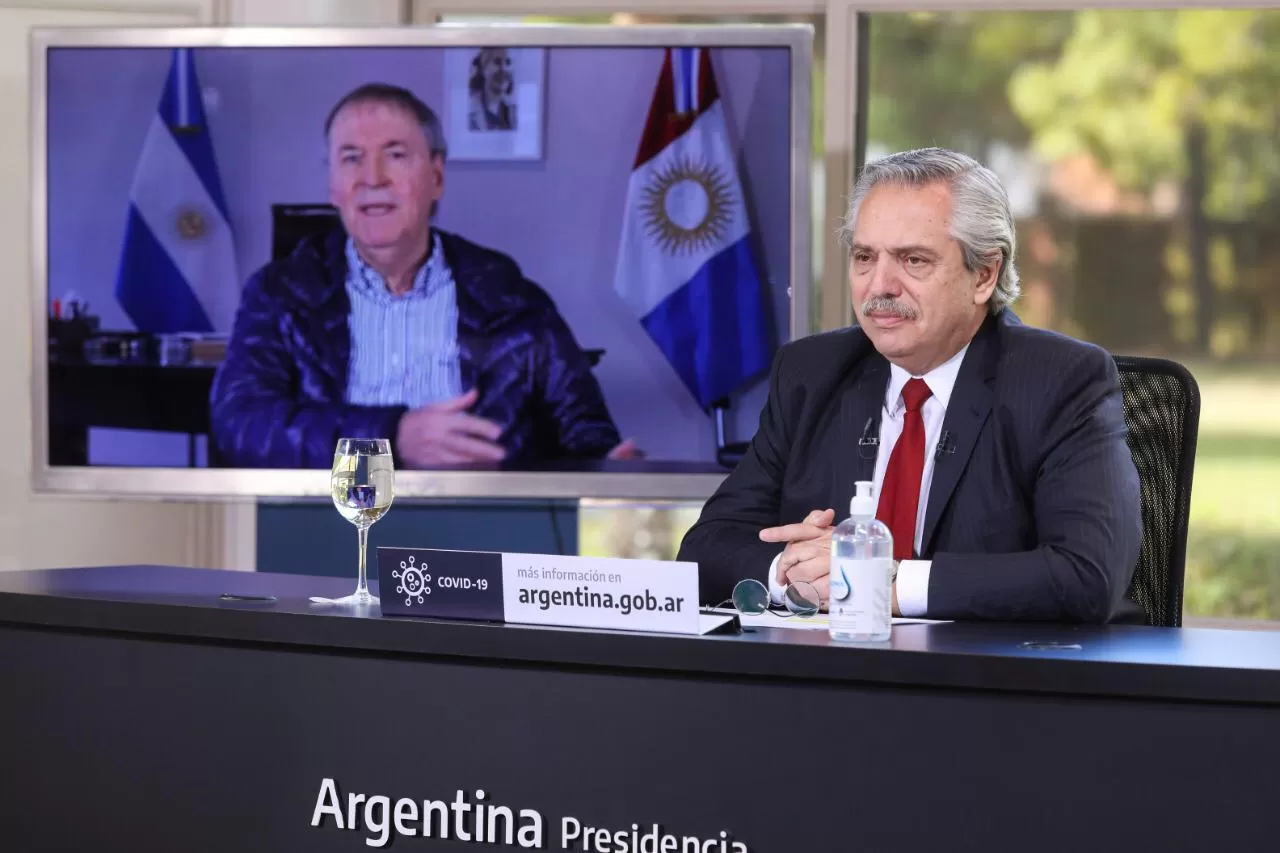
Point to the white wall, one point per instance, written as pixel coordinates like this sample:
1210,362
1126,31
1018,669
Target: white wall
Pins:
312,12
54,531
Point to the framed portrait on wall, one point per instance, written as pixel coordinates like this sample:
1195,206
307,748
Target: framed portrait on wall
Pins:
495,102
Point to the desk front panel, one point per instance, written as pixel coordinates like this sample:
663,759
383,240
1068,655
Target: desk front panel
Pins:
115,743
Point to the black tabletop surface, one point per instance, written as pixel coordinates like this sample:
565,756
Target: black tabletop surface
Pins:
1118,660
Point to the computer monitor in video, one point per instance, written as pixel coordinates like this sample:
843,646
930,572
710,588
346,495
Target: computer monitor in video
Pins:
542,261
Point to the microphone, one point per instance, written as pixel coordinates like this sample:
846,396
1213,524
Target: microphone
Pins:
945,445
870,439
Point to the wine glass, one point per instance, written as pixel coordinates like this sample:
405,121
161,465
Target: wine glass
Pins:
362,484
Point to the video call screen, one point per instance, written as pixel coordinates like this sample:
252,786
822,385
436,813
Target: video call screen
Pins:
524,256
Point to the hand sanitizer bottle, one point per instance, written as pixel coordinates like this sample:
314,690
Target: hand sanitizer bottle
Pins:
861,573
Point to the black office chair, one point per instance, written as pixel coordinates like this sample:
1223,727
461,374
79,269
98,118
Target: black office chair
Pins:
292,222
728,453
1162,410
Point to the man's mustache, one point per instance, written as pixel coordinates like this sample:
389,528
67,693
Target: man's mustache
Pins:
888,305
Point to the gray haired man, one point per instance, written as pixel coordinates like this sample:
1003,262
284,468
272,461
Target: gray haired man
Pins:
997,451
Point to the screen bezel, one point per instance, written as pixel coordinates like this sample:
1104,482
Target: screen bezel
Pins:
241,483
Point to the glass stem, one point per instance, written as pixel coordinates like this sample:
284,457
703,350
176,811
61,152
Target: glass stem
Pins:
362,587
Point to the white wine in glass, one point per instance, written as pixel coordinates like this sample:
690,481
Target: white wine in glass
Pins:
363,484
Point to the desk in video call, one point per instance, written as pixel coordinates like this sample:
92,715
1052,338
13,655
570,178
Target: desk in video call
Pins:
146,395
141,396
142,712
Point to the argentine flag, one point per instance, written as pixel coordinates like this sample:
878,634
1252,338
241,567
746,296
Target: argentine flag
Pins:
685,264
178,265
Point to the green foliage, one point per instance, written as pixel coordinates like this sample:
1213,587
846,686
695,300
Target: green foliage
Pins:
1233,550
1122,85
1126,85
940,79
1233,574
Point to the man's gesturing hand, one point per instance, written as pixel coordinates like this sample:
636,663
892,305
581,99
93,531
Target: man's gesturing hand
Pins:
444,433
807,556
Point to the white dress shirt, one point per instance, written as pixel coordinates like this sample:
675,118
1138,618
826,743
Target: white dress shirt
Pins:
913,575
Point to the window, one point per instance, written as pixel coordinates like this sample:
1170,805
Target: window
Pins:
1140,153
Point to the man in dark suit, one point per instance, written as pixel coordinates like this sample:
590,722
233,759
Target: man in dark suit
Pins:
390,328
997,450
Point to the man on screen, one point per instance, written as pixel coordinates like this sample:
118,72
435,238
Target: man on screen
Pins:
997,451
391,328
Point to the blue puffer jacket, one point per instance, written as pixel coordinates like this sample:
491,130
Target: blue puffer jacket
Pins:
279,398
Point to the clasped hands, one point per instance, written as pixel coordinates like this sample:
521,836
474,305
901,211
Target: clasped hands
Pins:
807,555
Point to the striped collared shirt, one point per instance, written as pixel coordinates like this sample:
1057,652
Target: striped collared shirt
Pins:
404,349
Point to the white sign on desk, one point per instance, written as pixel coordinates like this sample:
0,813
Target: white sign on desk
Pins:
601,592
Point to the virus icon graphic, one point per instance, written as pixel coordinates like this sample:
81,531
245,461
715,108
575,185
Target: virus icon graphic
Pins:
414,581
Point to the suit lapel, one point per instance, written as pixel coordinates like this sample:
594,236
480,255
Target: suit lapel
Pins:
966,413
861,405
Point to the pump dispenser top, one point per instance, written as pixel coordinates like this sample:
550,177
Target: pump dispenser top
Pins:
863,504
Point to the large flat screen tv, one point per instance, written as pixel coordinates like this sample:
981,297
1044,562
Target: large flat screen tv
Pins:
542,261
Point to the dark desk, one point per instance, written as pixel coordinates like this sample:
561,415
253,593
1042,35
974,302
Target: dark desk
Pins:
145,395
124,396
176,399
141,713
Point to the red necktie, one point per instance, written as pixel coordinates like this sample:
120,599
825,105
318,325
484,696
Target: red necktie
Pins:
900,492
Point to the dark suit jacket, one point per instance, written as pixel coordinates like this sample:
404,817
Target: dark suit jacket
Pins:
279,397
1034,514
